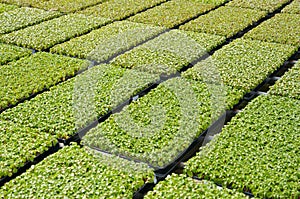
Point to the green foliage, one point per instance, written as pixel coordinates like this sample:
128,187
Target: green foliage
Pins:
10,53
6,7
103,43
180,186
49,33
23,17
119,9
213,2
293,8
226,21
289,84
60,5
158,126
169,52
283,28
20,145
78,101
170,14
232,95
153,61
30,75
266,5
257,151
244,64
206,41
76,172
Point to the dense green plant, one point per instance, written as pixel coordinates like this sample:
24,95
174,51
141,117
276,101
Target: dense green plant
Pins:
266,5
180,186
281,29
30,75
76,172
10,53
258,151
49,33
289,84
119,9
170,14
48,112
103,43
22,17
6,7
20,145
214,2
293,8
244,64
169,52
58,113
160,125
61,5
153,61
226,21
233,95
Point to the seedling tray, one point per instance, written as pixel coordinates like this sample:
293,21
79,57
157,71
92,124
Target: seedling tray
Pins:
31,96
27,165
250,195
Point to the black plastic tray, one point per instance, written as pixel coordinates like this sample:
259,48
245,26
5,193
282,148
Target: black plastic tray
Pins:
27,165
143,191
